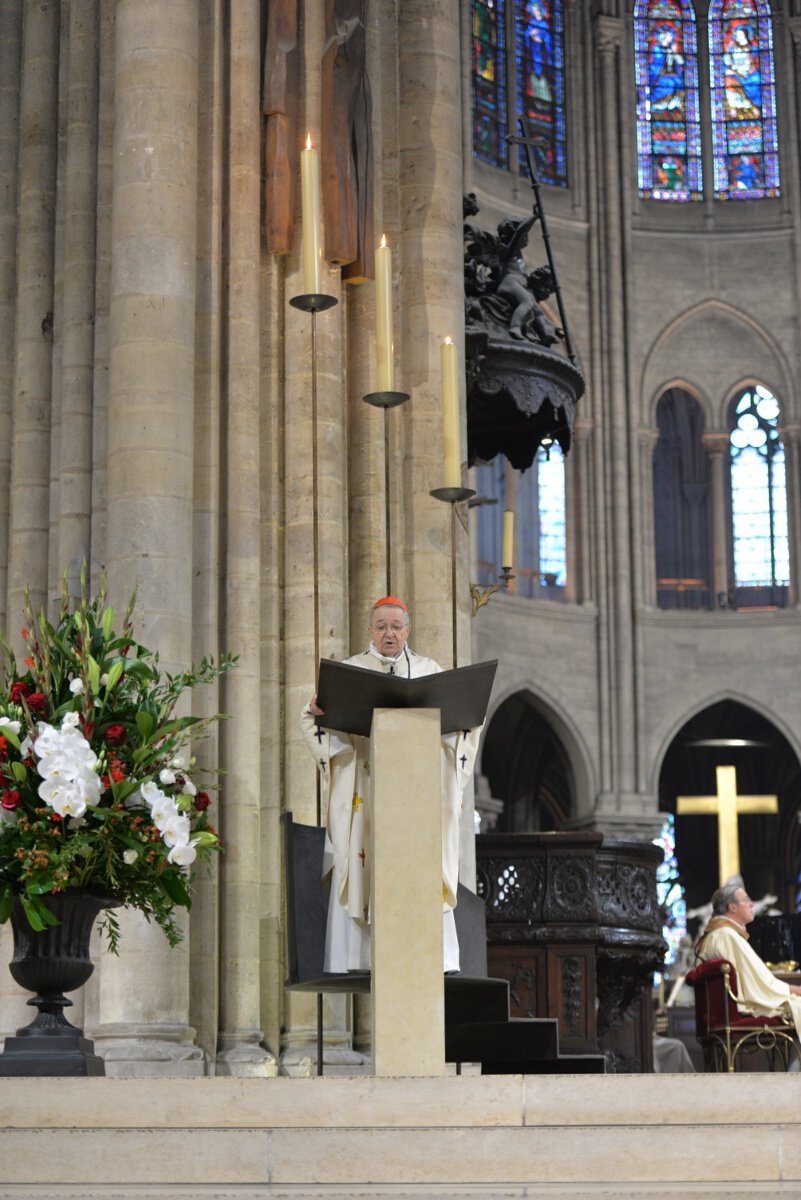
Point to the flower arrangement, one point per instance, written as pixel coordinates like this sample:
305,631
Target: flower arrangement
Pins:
95,785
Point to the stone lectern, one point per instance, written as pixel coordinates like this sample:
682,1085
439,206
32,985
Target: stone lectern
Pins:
408,1010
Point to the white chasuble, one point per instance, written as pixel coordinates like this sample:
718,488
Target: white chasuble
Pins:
344,763
758,989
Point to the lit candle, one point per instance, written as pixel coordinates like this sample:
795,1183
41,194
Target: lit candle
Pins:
310,202
449,362
384,334
508,548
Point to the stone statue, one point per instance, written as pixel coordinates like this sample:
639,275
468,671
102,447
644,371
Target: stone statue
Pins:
500,292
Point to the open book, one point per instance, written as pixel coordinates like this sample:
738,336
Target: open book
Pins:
348,695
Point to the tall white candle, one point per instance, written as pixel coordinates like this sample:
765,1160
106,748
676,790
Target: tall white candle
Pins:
449,363
508,549
310,203
384,330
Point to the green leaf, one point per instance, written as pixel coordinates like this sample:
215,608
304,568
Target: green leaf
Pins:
19,771
93,670
145,723
107,621
114,674
174,886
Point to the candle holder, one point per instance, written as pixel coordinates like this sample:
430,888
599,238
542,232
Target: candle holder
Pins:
313,302
385,399
453,496
481,596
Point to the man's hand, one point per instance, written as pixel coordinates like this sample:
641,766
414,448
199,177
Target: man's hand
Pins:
314,708
795,989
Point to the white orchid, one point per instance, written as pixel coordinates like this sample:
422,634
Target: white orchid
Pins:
76,686
12,726
166,776
176,830
183,854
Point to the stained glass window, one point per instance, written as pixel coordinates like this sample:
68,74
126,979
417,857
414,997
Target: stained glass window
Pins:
760,547
669,892
668,123
538,500
744,145
489,82
540,68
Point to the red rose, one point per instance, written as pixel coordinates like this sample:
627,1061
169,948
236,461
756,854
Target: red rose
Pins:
115,735
202,801
10,799
3,749
20,690
37,702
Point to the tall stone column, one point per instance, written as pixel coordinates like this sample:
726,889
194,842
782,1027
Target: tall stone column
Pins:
10,79
431,306
240,1050
790,441
144,994
30,454
622,802
12,999
77,327
647,442
717,446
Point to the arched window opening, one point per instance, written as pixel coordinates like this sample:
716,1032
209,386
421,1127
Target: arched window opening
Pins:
760,546
489,82
744,140
538,500
682,520
518,66
668,124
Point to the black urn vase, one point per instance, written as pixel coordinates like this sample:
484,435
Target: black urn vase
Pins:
50,963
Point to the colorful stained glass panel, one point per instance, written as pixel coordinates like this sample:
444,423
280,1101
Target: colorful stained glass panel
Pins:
489,82
758,493
668,123
540,66
744,138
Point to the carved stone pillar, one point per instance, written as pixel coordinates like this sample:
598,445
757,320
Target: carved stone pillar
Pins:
77,347
647,583
617,608
144,994
790,440
33,324
717,447
240,1036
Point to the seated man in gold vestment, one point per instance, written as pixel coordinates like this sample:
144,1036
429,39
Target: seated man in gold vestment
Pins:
758,989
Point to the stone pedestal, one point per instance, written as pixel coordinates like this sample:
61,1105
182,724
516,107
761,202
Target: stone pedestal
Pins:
408,1018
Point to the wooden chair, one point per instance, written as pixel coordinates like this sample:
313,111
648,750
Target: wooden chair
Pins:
726,1033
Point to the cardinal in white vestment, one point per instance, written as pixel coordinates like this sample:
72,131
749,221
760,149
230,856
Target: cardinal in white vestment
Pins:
758,989
344,763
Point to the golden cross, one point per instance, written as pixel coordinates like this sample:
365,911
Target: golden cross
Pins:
727,805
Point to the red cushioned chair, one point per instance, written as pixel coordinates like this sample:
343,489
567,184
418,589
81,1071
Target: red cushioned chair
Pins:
724,1032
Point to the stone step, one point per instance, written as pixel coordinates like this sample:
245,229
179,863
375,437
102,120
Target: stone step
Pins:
565,1137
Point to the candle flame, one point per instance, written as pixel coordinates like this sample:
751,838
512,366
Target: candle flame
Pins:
447,341
308,141
383,239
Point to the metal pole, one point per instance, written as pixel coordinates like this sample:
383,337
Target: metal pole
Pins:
528,140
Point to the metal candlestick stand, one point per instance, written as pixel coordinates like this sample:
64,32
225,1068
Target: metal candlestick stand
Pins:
386,400
453,496
314,302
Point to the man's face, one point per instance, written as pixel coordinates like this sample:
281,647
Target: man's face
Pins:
389,629
742,907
